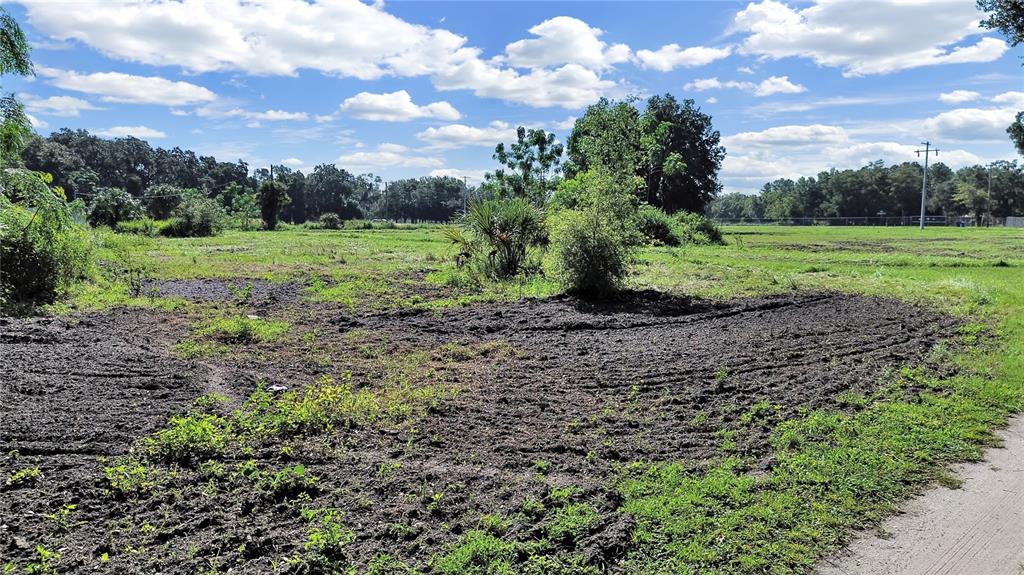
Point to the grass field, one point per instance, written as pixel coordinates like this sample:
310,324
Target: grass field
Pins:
834,467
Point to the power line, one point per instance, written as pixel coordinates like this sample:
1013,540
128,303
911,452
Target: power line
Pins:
924,182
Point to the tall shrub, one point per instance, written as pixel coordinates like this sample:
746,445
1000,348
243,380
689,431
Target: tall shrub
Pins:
111,206
195,216
43,249
593,242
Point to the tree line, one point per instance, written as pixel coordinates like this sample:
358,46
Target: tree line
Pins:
85,165
878,190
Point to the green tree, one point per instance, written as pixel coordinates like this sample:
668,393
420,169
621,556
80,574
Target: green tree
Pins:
1016,132
273,197
607,137
161,200
973,199
533,166
680,155
15,58
1007,16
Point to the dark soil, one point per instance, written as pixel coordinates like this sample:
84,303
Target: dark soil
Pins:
574,391
261,292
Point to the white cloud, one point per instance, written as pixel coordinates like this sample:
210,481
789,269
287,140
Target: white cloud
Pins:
1011,99
473,177
56,105
958,96
388,156
293,163
571,86
566,124
892,35
126,88
788,136
671,56
712,100
565,40
137,131
256,117
557,68
344,37
970,124
461,135
36,122
772,85
395,107
745,70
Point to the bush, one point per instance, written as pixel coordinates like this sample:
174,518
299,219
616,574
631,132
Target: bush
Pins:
593,245
330,221
696,229
657,226
43,250
497,235
141,227
161,200
111,206
195,216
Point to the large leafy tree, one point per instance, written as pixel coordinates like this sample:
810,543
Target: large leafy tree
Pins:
606,136
680,154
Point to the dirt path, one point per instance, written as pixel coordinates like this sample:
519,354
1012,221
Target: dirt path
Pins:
977,530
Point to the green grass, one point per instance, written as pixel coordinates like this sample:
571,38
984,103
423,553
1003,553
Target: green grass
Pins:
834,471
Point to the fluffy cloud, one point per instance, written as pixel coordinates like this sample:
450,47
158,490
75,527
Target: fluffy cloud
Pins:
265,38
137,131
890,36
970,124
473,177
36,122
395,107
389,156
958,96
571,86
293,163
772,85
563,64
789,136
671,56
1010,99
56,105
461,135
126,88
565,40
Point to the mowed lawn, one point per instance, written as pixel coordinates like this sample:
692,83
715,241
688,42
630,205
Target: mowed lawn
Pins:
834,470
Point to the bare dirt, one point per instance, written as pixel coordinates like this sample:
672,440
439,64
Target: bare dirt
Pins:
563,394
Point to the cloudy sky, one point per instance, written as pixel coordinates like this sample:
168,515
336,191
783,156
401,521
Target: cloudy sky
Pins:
410,88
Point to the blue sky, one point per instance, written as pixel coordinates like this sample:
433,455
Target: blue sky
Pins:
411,88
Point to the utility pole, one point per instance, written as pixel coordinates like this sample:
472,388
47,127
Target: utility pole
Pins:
990,194
924,182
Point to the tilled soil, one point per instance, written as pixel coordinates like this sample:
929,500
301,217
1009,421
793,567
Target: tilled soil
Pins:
580,390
